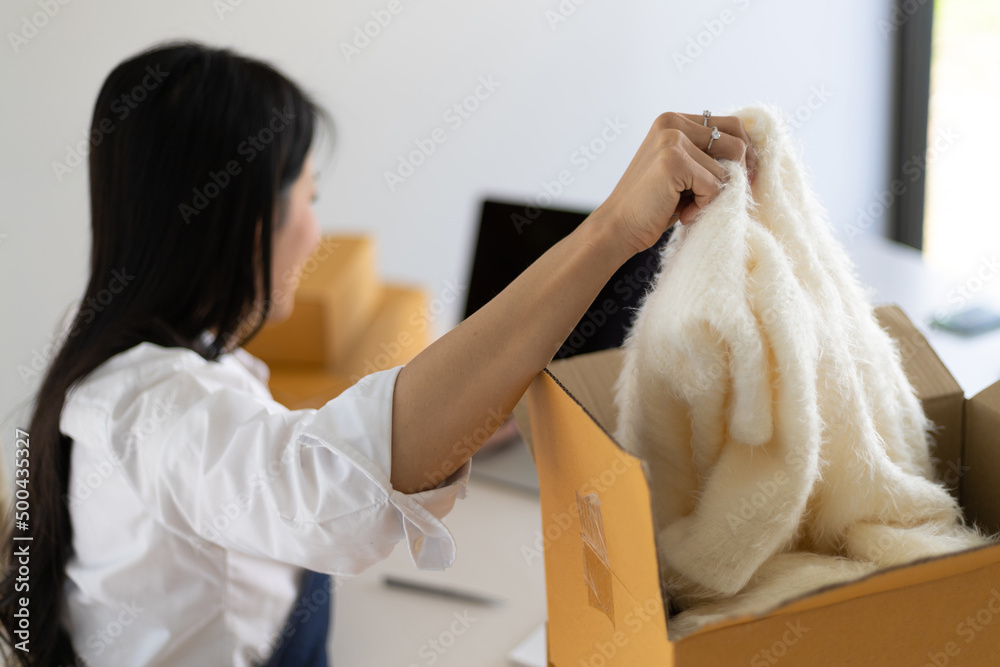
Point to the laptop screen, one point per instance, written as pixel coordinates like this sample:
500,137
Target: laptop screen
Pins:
513,235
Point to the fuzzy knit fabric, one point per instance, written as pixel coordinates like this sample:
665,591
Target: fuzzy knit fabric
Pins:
785,446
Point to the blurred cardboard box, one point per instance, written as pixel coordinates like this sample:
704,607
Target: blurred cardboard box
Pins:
397,333
345,325
297,387
602,573
338,294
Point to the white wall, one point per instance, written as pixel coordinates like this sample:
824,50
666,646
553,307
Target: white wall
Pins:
558,85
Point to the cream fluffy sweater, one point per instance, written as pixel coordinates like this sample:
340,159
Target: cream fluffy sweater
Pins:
786,448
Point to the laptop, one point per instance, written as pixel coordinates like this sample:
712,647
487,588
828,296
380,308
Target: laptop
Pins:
511,236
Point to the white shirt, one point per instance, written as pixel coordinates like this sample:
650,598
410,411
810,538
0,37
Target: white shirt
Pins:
196,499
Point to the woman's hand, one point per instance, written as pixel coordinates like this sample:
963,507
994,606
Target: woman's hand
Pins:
671,175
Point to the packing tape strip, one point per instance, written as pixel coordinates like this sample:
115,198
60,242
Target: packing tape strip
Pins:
596,569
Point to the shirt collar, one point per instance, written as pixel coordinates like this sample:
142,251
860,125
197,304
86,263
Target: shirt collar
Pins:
256,366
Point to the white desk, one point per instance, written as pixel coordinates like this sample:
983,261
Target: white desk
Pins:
378,626
898,275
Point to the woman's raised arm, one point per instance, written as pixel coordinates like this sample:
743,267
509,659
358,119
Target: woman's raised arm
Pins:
470,379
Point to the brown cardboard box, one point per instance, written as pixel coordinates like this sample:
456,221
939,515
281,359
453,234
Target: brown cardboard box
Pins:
299,386
338,295
398,331
602,576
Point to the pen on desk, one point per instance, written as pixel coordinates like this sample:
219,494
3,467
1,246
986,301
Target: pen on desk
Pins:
442,591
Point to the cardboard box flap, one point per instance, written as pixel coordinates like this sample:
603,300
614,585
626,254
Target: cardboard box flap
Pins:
981,460
940,394
937,621
882,581
924,368
599,528
902,576
590,378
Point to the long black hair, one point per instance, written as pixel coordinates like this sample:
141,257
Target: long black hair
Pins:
192,152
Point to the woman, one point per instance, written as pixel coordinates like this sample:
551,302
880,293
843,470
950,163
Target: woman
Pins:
176,511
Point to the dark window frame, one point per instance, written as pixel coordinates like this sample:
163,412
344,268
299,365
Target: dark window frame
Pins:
911,109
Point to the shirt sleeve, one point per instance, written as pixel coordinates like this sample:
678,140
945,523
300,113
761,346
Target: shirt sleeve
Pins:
308,487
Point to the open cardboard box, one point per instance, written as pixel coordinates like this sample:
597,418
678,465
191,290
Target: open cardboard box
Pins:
602,575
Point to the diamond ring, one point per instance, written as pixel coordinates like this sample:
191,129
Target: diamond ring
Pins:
715,135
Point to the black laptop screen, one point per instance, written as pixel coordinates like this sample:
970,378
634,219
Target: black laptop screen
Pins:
512,236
